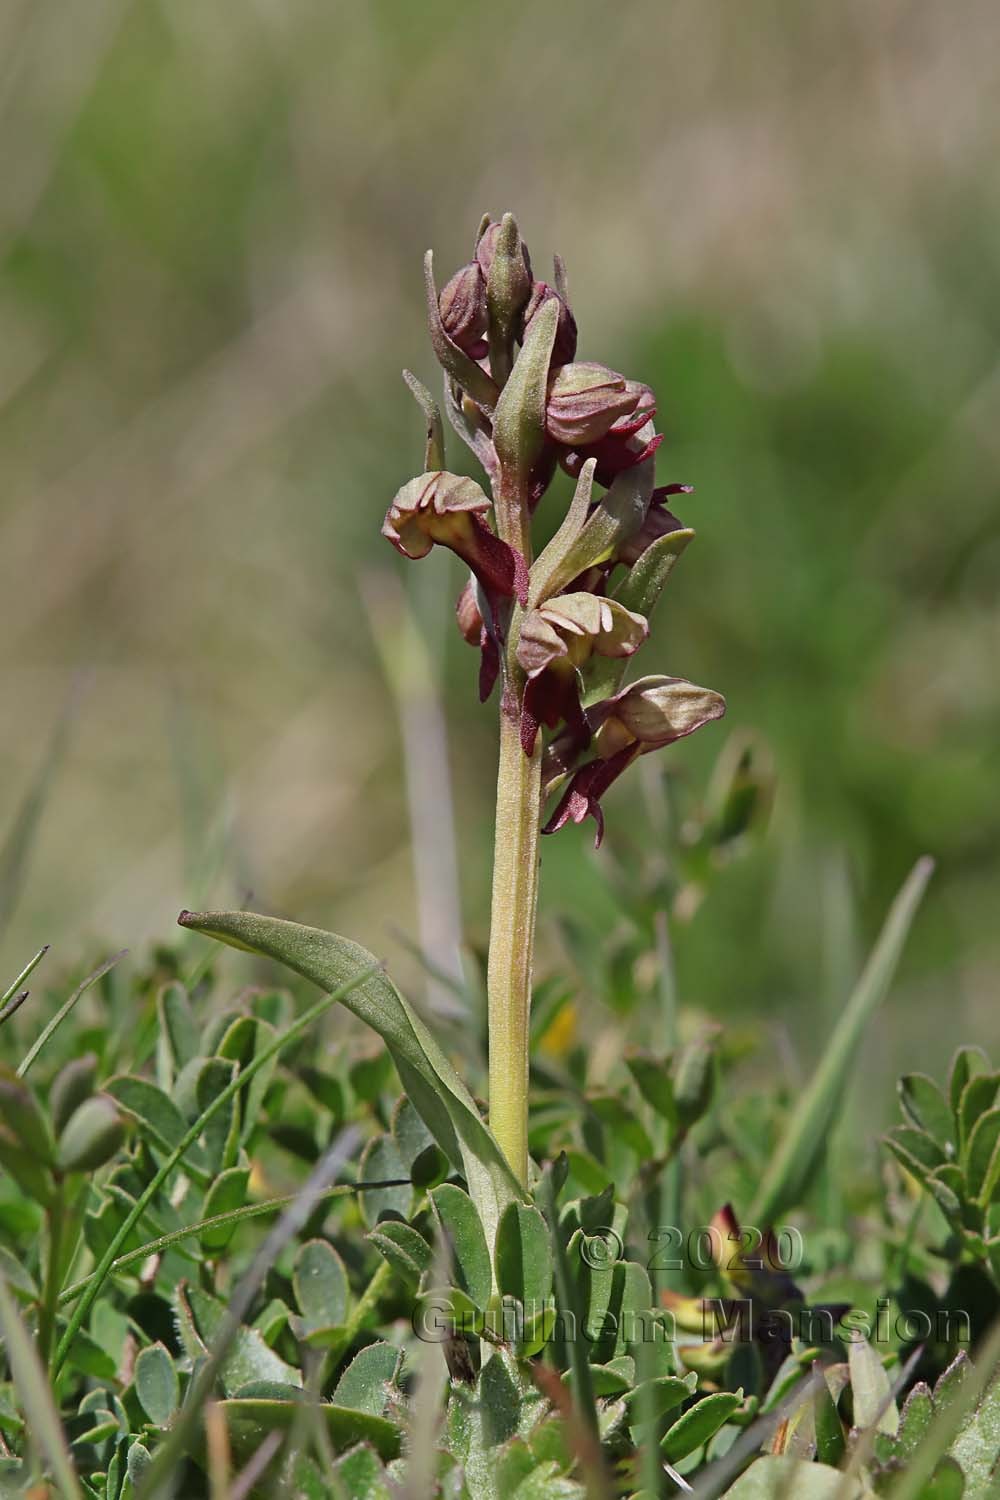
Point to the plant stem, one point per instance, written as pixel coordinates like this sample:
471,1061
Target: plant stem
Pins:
512,936
50,1294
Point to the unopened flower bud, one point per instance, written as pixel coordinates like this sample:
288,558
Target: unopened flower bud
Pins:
487,246
584,401
564,347
92,1135
463,309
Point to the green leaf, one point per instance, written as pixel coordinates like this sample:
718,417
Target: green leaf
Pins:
178,1034
549,567
699,1423
461,1226
830,1442
915,1149
426,1074
156,1113
644,582
226,1195
364,1385
694,1079
404,1248
138,1461
871,1389
966,1063
321,1286
249,1360
652,1398
977,1447
24,1118
156,1384
250,1421
980,1151
804,1139
978,1096
914,1420
524,1256
222,1139
617,516
381,1162
519,419
927,1108
23,1166
655,1084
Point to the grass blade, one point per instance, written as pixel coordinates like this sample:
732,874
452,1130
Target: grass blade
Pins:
35,1396
814,1114
64,1011
28,969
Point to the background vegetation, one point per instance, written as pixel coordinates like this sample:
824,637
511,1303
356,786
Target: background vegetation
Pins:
211,224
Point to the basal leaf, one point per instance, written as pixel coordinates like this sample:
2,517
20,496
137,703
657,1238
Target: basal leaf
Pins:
426,1074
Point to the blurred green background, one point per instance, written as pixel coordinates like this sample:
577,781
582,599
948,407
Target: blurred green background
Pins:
785,218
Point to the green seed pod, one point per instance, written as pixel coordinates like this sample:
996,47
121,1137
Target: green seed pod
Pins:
92,1135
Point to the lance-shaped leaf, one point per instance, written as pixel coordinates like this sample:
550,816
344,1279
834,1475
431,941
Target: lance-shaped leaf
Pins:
519,420
617,516
427,1076
548,568
449,510
434,438
460,366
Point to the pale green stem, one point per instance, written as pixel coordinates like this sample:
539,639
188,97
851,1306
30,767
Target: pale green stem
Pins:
50,1294
515,882
512,938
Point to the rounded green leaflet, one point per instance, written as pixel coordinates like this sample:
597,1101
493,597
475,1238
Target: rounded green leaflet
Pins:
404,1248
524,1256
979,1152
321,1286
157,1386
926,1107
460,1224
364,1385
227,1193
699,1423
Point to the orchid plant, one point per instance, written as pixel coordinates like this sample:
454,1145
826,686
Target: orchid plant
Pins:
557,630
